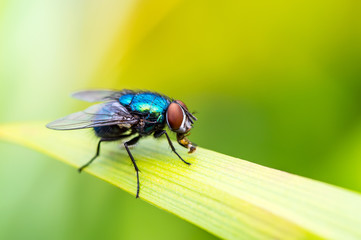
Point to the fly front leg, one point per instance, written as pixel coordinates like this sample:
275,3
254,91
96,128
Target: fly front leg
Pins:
158,134
126,145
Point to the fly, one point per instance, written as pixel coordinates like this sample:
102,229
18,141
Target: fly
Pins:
129,113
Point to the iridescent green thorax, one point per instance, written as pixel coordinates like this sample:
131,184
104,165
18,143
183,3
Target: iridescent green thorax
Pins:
150,106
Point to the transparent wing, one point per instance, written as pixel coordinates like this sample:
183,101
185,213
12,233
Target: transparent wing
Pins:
104,114
99,95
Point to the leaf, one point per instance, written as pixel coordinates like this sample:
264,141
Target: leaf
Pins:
229,197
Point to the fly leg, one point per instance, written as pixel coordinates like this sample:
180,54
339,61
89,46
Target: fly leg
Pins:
130,143
98,150
96,154
158,134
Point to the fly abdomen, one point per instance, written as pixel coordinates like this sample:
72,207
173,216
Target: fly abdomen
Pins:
111,131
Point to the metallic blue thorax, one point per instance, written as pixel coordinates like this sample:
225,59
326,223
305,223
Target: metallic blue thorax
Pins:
150,106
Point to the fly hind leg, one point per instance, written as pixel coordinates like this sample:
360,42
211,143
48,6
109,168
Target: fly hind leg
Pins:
96,154
98,149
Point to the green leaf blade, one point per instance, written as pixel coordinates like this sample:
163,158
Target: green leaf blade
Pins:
229,197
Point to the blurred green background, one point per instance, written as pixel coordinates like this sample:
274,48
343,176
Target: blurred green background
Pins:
274,82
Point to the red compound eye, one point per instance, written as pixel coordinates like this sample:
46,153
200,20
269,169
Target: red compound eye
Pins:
175,115
181,103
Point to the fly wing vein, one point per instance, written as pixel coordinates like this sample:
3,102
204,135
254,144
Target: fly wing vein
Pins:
104,114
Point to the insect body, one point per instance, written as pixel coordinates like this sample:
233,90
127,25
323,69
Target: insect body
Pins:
130,113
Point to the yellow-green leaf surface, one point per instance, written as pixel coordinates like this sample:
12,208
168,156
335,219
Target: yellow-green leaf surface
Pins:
229,197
